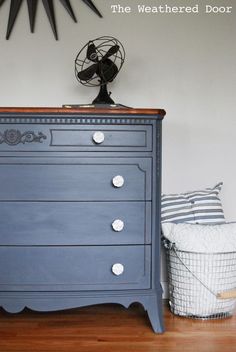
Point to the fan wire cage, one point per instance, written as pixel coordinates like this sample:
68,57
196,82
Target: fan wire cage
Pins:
102,46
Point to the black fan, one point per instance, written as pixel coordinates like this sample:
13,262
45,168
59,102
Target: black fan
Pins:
98,63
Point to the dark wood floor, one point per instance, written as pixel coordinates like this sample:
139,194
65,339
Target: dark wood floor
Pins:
112,328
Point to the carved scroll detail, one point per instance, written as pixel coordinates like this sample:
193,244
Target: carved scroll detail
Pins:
14,137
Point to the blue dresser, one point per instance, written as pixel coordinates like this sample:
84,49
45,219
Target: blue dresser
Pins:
80,208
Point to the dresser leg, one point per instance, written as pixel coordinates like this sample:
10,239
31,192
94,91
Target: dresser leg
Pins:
153,306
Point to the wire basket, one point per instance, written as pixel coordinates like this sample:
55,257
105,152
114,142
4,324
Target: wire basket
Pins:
197,280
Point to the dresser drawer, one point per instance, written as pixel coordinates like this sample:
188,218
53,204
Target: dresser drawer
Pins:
75,223
74,268
69,179
75,138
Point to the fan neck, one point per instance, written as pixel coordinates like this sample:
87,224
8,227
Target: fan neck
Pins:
103,96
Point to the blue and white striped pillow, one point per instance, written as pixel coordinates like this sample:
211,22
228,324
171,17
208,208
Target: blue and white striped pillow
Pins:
199,207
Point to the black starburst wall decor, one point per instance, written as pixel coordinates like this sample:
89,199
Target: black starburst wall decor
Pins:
49,8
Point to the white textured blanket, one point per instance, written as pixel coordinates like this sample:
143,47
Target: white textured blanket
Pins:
201,238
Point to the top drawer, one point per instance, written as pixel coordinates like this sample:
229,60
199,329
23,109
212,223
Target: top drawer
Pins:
36,137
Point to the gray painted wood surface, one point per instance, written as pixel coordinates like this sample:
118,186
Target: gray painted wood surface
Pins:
57,205
67,268
74,223
45,180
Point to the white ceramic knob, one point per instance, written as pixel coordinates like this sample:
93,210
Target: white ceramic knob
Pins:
117,225
118,181
117,269
98,137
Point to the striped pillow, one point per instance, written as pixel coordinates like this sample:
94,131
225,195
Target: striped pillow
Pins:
199,207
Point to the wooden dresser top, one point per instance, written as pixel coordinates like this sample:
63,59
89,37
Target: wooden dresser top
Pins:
84,110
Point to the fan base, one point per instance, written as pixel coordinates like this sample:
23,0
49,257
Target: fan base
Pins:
103,96
101,106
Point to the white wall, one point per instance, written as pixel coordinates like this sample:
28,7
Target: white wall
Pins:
181,62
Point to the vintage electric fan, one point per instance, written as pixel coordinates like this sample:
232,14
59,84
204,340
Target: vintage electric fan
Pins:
98,63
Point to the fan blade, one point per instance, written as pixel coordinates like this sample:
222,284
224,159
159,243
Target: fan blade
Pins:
68,7
32,6
14,9
92,52
108,70
92,7
88,73
113,50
